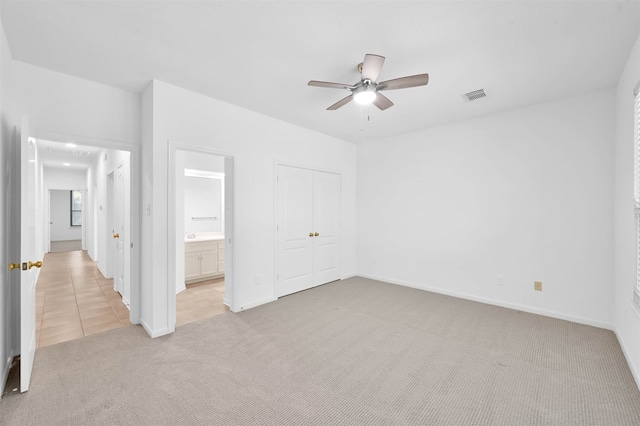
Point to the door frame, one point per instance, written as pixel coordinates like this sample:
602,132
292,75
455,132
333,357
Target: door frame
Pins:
135,166
229,225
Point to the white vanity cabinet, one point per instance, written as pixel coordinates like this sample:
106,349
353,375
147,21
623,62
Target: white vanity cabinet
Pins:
203,260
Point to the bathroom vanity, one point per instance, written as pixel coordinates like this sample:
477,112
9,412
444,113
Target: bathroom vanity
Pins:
203,256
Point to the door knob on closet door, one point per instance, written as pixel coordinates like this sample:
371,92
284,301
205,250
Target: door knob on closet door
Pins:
37,264
116,235
316,234
311,234
13,266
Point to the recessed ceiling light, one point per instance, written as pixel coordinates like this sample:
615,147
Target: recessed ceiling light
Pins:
66,164
71,145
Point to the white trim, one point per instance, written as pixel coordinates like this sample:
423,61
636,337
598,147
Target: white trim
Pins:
627,357
155,333
636,90
509,305
256,303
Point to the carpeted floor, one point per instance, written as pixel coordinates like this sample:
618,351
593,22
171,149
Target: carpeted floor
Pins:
355,352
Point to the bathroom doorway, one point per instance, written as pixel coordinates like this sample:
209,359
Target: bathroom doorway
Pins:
202,190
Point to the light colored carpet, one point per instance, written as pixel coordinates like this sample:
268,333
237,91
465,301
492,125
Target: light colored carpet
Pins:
355,352
71,245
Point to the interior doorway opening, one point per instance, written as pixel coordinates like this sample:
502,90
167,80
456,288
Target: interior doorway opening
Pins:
201,218
85,289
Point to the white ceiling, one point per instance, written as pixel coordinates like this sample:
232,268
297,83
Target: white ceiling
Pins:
55,154
260,55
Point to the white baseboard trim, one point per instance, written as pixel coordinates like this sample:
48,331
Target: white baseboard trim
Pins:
627,356
256,303
102,272
346,277
155,333
503,304
181,289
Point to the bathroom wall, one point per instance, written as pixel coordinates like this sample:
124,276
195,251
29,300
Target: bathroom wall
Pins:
202,199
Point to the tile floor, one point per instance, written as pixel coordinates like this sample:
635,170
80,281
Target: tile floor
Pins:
73,300
199,301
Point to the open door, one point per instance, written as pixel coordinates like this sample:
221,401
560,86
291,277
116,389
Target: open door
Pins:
23,219
118,226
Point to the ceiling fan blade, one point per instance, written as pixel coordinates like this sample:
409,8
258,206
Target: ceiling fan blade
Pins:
382,102
404,82
330,85
340,103
371,66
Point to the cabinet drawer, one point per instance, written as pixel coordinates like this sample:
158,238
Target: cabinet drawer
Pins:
200,246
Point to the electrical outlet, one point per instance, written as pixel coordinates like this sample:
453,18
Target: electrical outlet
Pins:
537,285
500,279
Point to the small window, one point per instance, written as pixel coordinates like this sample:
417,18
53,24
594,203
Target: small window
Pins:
76,208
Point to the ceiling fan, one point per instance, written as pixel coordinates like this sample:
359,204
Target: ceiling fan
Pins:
367,90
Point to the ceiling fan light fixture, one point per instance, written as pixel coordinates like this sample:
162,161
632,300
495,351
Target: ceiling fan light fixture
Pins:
364,95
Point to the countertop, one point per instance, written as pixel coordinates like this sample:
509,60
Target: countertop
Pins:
204,236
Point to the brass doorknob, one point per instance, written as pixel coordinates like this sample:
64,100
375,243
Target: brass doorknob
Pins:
13,266
316,234
311,234
37,264
116,235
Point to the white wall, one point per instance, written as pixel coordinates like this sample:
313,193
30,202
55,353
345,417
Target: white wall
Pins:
8,327
524,194
60,219
202,198
627,319
61,106
257,143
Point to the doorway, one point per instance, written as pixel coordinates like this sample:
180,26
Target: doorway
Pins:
200,250
65,230
87,290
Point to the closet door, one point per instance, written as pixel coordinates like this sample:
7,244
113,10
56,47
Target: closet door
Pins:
295,223
326,227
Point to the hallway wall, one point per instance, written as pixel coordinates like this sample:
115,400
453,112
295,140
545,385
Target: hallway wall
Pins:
8,298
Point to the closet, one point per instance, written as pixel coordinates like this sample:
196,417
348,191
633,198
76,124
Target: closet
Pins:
308,229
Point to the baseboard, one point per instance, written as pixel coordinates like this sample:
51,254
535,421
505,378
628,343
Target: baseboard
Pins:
250,305
181,289
102,272
155,333
627,356
509,305
346,277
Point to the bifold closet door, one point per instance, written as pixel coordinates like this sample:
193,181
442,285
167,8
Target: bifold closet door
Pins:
307,229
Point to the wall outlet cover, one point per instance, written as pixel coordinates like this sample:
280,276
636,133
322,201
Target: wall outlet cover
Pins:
537,285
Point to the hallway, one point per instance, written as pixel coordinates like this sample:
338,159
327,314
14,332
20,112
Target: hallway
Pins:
73,299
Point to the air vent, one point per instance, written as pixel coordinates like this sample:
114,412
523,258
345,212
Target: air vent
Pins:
476,94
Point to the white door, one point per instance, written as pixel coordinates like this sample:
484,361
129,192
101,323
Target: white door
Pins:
27,265
326,227
308,229
295,230
118,226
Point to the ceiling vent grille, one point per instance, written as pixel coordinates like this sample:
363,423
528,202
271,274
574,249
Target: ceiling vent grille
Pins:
476,94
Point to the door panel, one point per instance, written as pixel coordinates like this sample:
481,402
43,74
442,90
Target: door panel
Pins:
28,274
295,221
326,215
118,222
